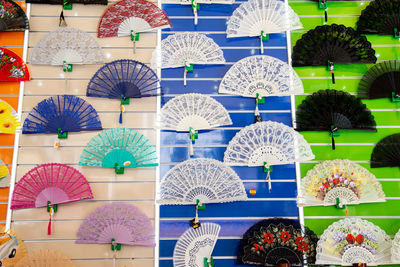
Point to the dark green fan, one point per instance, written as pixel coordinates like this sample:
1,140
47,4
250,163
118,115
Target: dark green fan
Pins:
331,110
386,153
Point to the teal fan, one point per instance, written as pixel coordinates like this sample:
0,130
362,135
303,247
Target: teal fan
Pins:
119,148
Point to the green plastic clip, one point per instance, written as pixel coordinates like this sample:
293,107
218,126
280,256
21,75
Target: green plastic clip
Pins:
194,134
396,33
134,36
322,4
195,6
124,100
61,134
267,169
199,205
67,5
330,66
119,169
339,205
55,207
334,131
260,99
115,247
189,68
395,97
67,67
208,262
264,37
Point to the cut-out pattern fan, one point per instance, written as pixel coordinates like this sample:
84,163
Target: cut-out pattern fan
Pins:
277,241
9,121
4,175
339,182
12,67
332,110
12,17
45,258
61,2
386,153
396,249
353,240
12,248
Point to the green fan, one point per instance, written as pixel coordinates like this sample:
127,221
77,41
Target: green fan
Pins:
119,148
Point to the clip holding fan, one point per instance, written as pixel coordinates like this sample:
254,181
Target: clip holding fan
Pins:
13,17
323,4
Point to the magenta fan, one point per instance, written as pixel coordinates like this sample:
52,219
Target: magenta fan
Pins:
49,185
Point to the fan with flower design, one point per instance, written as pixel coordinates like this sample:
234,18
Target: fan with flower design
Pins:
12,17
12,67
8,118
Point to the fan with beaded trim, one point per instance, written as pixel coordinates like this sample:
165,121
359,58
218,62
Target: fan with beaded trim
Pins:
12,17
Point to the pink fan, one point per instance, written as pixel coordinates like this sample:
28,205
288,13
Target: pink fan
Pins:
48,185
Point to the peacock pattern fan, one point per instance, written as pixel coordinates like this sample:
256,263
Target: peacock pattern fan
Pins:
4,175
12,67
9,121
353,240
386,152
12,17
45,258
396,249
339,182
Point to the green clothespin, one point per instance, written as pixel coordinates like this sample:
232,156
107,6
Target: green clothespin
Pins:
134,36
115,247
199,205
267,169
260,99
322,4
67,5
208,263
54,207
264,37
395,97
334,131
124,100
194,134
119,169
396,33
188,68
339,205
61,134
67,67
195,6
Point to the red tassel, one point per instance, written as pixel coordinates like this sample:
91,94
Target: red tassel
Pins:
49,227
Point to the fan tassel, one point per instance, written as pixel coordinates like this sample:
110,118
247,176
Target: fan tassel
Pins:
49,226
51,209
195,7
193,136
326,16
268,169
333,142
334,132
259,100
62,22
332,70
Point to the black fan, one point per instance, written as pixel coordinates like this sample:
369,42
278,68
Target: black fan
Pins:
12,17
332,44
381,81
386,153
331,110
68,2
380,17
276,242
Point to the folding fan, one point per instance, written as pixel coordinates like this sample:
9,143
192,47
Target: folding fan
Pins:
49,185
12,17
353,240
192,112
12,67
332,44
69,2
259,77
45,258
123,79
266,144
9,121
4,175
331,110
277,242
260,18
129,18
386,153
186,49
339,182
396,249
195,246
12,248
119,148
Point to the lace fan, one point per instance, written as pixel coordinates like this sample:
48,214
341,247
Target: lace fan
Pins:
9,121
266,144
260,18
386,152
192,112
185,50
49,185
12,17
12,248
353,240
12,67
339,182
119,148
195,246
259,77
45,258
277,242
332,110
396,249
4,175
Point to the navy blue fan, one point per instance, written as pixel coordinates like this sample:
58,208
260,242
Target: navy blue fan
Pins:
123,79
62,114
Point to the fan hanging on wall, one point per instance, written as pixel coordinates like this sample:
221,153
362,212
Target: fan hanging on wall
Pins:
124,79
332,111
185,50
354,241
45,258
277,242
130,18
259,77
49,185
386,152
199,182
195,246
12,248
396,249
260,18
9,121
266,144
332,44
119,148
12,17
12,67
4,175
191,113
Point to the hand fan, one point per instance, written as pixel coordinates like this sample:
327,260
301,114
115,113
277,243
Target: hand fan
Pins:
69,2
45,258
195,246
332,44
277,242
4,175
123,79
12,17
396,249
259,77
192,112
353,240
9,121
265,144
339,182
260,18
386,153
129,18
12,67
186,49
12,248
119,148
117,224
331,110
49,185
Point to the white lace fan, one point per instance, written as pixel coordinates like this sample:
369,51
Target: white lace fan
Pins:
195,246
353,240
186,49
192,112
396,249
262,17
265,144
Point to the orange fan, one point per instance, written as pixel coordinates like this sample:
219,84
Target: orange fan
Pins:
12,249
12,67
45,258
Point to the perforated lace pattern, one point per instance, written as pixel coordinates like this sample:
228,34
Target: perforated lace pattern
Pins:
396,249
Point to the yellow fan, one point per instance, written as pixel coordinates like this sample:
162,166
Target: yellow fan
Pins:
4,175
5,109
9,124
45,258
11,245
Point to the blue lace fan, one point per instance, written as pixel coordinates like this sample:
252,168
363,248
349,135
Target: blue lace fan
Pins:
123,79
119,148
62,114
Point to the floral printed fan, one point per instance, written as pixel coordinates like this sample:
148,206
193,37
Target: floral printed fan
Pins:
396,249
386,152
192,112
266,144
9,121
16,254
260,18
45,258
195,246
261,76
12,67
4,175
277,242
353,240
49,185
185,50
12,17
339,182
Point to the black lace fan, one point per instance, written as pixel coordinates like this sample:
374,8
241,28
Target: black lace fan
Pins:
12,17
277,241
380,17
61,2
386,153
331,110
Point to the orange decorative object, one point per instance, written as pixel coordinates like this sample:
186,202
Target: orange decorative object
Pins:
253,191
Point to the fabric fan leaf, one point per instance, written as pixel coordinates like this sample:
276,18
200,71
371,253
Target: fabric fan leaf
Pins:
12,67
9,121
12,17
386,152
47,258
396,249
